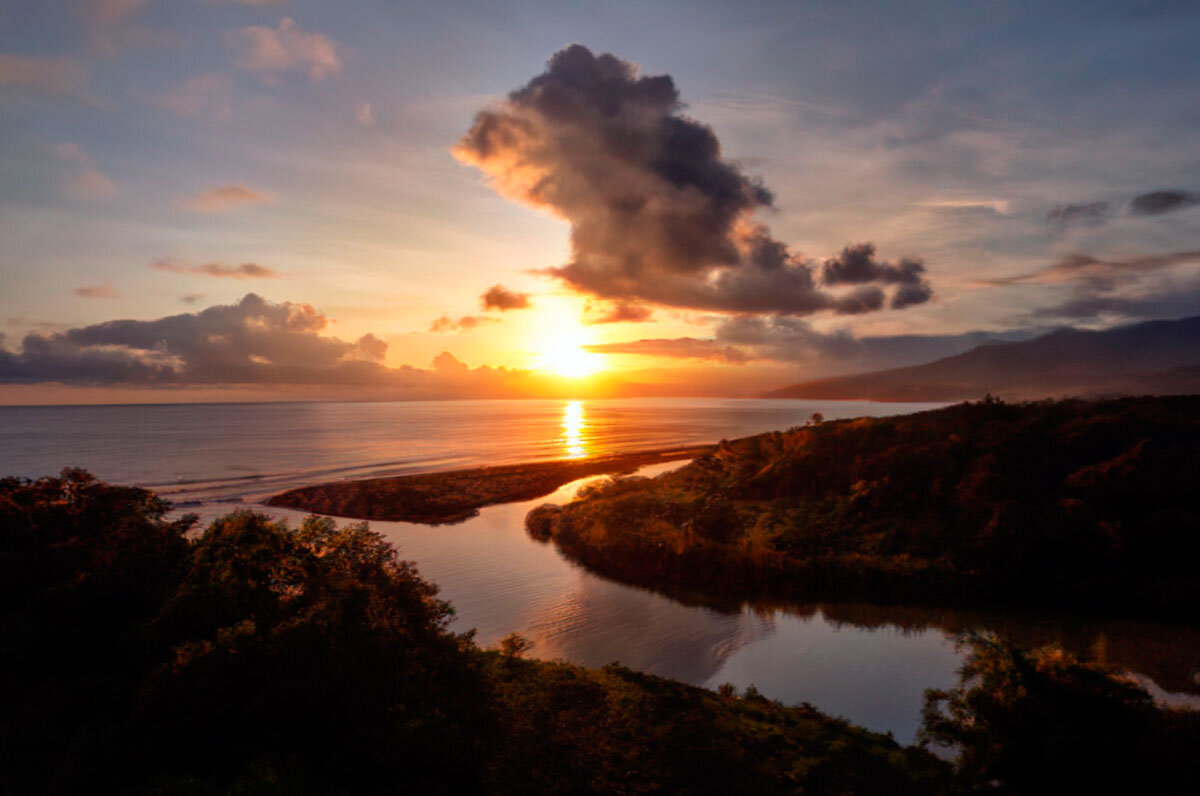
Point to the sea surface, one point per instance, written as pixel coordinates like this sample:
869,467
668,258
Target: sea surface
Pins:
868,663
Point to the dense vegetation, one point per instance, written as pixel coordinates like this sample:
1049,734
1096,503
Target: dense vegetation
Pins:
140,657
1043,722
1078,504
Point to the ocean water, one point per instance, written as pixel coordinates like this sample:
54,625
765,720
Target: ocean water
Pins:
868,663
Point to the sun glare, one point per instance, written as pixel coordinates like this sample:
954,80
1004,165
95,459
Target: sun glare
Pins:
560,337
570,360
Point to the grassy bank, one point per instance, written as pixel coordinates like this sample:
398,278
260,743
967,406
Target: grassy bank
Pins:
456,495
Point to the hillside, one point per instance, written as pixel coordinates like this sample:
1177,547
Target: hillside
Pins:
1157,357
1075,504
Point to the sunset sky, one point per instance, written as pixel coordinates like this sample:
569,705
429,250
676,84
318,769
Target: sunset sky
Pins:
284,198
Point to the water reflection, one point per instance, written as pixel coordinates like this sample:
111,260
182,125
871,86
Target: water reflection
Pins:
574,427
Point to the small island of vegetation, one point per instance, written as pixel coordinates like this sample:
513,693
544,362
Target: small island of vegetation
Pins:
1073,504
456,495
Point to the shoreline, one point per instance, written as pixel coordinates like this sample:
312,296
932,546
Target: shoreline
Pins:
451,496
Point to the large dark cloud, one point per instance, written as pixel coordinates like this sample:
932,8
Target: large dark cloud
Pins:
1156,203
657,214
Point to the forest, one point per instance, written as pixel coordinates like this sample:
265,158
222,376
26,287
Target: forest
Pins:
145,655
1087,506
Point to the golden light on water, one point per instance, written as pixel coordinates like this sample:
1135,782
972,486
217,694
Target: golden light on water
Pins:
574,427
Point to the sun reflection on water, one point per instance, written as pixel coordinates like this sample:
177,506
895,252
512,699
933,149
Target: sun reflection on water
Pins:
574,427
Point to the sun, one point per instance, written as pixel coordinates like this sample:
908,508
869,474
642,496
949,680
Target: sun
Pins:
568,359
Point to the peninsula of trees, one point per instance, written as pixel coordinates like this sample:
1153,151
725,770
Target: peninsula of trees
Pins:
1072,504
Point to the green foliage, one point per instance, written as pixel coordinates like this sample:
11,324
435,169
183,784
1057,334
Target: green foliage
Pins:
568,730
1077,504
255,658
1044,722
514,645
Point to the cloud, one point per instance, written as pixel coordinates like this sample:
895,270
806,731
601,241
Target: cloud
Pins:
199,97
1133,287
191,298
657,214
250,342
675,348
218,270
1092,214
371,348
1156,203
108,27
1172,301
498,297
88,182
856,265
96,291
365,115
615,312
224,198
52,75
1097,272
271,51
447,324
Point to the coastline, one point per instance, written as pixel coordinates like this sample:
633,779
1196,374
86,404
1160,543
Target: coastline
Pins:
455,495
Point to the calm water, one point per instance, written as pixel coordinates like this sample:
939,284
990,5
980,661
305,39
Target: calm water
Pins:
870,664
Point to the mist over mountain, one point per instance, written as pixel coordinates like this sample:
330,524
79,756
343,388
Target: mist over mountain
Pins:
1157,357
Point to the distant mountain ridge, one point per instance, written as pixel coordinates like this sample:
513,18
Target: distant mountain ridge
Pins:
1155,357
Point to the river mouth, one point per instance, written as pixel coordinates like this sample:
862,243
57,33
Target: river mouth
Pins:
868,663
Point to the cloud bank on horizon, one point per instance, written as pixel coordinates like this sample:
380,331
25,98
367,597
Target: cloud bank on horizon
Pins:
657,214
253,341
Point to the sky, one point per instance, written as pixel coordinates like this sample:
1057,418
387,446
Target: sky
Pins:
252,199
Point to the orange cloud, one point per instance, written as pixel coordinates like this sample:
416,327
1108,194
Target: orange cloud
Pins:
89,182
96,291
52,75
243,271
270,51
224,198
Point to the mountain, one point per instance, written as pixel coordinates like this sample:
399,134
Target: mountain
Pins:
1156,357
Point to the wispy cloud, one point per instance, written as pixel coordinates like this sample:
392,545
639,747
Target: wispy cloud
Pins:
219,270
1085,267
1156,203
268,52
224,198
365,115
53,75
88,181
674,348
199,97
96,291
615,312
446,324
